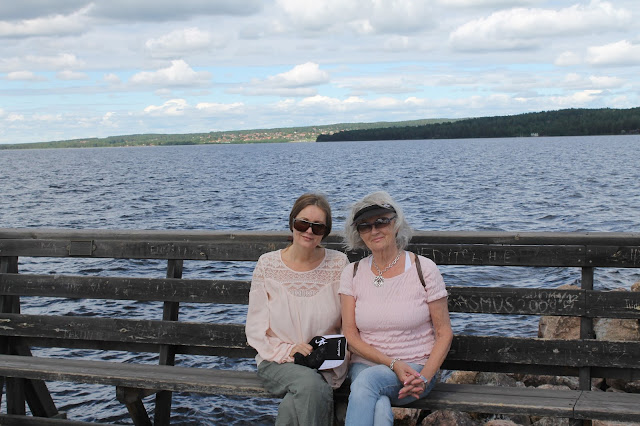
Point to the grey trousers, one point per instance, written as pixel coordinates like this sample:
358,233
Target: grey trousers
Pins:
307,397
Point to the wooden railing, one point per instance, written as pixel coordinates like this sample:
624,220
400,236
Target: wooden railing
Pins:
168,337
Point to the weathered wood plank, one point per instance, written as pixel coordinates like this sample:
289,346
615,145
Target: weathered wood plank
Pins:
613,304
495,399
126,288
225,382
622,407
501,255
474,248
145,376
516,301
16,420
124,330
420,237
566,353
40,342
488,300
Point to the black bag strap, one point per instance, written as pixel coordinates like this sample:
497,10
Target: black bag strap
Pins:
418,267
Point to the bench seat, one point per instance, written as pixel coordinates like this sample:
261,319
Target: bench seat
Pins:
138,376
471,398
17,420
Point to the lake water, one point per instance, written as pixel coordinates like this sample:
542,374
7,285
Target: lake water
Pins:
520,184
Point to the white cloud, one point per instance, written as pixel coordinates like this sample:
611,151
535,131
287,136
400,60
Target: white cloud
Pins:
179,42
165,10
575,80
41,62
71,75
395,83
577,99
24,76
330,103
620,53
566,59
173,107
304,75
362,16
522,28
51,25
15,117
485,3
214,109
112,79
296,82
178,74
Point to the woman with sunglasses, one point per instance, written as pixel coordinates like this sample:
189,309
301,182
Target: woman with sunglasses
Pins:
394,314
293,298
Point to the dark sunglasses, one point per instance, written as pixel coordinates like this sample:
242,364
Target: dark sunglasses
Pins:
302,226
379,223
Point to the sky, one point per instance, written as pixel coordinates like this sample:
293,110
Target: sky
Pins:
72,69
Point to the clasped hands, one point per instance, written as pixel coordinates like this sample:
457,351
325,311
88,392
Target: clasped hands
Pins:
413,382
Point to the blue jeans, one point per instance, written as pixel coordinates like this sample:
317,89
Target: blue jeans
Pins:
373,389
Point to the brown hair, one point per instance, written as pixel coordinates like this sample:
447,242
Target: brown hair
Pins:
311,199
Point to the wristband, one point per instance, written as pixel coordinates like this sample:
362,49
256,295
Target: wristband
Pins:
393,363
424,379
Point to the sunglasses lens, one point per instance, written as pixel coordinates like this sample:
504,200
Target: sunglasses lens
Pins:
302,225
363,228
380,223
318,228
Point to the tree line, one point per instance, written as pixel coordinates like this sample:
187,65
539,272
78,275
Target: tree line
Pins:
567,122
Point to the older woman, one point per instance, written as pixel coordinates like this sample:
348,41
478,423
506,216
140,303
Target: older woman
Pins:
394,314
293,298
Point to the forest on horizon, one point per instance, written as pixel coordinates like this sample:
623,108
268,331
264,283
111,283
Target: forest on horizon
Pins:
567,122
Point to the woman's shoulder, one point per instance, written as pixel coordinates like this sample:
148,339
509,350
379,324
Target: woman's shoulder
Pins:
335,257
335,254
270,257
425,262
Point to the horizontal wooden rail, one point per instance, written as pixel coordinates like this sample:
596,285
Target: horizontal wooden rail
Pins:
124,330
220,337
126,288
487,300
445,248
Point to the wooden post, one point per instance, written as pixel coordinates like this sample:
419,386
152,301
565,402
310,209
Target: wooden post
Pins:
162,416
11,304
586,332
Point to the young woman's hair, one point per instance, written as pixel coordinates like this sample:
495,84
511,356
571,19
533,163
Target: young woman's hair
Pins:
311,199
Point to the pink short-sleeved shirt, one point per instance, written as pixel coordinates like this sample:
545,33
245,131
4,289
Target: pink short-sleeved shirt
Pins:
395,318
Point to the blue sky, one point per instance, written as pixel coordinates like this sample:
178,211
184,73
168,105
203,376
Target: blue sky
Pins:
75,68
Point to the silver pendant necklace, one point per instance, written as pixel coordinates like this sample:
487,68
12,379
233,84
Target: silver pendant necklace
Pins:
378,281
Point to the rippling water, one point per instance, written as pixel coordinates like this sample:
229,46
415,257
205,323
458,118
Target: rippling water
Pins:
524,184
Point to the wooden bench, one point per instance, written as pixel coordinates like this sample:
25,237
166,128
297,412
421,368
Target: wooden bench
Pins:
25,376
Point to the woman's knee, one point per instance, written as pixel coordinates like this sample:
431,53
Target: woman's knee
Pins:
314,384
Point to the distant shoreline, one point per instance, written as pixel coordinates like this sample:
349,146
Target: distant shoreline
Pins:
276,135
568,122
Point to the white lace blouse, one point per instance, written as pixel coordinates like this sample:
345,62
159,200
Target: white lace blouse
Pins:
288,307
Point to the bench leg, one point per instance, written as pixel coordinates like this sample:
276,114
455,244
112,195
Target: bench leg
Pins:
162,414
138,413
15,396
39,399
132,399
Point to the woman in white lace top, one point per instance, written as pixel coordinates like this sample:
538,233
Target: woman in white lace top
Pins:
293,298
